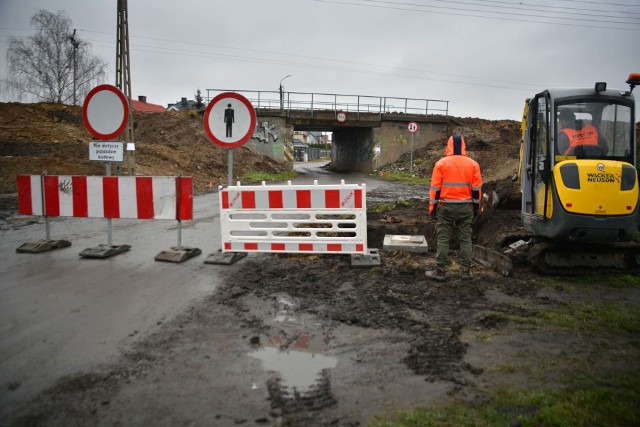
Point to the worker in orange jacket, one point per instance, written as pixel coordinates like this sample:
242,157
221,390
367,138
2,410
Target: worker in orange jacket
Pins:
454,200
572,135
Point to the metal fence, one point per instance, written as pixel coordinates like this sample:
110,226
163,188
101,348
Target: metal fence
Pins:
305,101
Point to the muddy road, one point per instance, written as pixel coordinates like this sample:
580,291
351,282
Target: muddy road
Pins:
298,340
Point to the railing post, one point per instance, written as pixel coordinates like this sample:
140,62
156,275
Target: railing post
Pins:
358,107
405,105
426,109
312,105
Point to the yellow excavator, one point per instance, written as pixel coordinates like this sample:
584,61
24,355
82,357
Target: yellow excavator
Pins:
579,180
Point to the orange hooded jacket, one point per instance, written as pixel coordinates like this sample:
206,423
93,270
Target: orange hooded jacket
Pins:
588,135
456,178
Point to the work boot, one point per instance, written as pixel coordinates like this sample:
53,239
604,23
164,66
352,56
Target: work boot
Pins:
438,274
466,273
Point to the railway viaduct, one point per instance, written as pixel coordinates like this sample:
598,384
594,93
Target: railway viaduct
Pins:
368,132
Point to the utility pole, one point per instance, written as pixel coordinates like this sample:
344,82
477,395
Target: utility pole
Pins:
75,43
123,78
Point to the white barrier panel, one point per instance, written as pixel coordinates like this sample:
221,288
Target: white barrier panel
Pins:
142,197
294,219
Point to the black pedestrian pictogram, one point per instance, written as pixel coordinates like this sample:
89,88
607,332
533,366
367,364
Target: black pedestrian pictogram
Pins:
229,119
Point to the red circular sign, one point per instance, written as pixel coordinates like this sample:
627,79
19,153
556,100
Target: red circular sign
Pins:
229,120
105,112
412,127
341,117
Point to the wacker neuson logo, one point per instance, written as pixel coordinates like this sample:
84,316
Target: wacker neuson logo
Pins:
602,177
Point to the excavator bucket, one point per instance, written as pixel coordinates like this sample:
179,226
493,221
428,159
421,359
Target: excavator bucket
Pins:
491,259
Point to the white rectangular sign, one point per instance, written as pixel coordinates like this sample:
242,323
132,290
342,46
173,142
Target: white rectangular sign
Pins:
106,151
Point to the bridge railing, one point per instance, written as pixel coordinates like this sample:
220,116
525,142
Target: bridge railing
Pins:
311,102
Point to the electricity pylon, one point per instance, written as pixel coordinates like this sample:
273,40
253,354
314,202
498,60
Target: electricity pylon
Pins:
123,78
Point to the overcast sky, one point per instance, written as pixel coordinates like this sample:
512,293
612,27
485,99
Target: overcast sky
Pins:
484,57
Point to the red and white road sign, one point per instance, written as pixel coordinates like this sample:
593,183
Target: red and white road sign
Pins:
105,112
341,117
413,127
229,120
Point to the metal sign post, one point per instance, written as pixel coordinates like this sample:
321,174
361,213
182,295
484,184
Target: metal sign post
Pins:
413,128
229,121
106,114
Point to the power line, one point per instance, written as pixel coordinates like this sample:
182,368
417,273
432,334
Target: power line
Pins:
401,3
466,80
519,3
564,24
305,57
600,3
520,8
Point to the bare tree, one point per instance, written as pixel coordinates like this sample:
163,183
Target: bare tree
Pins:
41,67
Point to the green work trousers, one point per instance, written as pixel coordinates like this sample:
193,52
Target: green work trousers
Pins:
450,217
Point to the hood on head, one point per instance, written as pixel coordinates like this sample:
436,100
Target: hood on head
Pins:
456,146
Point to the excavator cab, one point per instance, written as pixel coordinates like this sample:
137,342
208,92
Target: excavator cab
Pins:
578,170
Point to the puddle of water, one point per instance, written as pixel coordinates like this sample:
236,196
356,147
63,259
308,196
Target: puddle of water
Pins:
298,369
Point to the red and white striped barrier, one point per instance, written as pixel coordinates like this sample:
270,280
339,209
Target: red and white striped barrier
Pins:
294,219
164,197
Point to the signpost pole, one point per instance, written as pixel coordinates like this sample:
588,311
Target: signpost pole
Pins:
411,159
230,167
413,128
109,223
106,114
229,121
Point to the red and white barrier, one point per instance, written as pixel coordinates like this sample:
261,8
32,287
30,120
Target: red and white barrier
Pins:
164,197
294,219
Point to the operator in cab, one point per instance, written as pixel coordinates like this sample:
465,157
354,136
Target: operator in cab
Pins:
573,135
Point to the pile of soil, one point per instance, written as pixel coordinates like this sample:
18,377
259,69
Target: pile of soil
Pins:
52,137
494,144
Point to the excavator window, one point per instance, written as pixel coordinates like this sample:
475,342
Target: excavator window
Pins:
593,129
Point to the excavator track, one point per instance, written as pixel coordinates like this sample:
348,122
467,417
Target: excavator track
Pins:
569,258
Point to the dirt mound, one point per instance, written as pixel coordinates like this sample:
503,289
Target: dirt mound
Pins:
52,137
493,144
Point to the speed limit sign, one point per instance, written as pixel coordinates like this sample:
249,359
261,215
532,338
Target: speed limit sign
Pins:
413,127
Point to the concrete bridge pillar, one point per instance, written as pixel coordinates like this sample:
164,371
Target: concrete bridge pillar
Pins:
273,137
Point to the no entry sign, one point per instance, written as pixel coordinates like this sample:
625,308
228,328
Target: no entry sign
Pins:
229,120
105,112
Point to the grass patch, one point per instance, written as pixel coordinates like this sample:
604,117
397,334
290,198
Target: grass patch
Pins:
586,281
387,207
255,176
612,280
611,400
580,318
404,176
